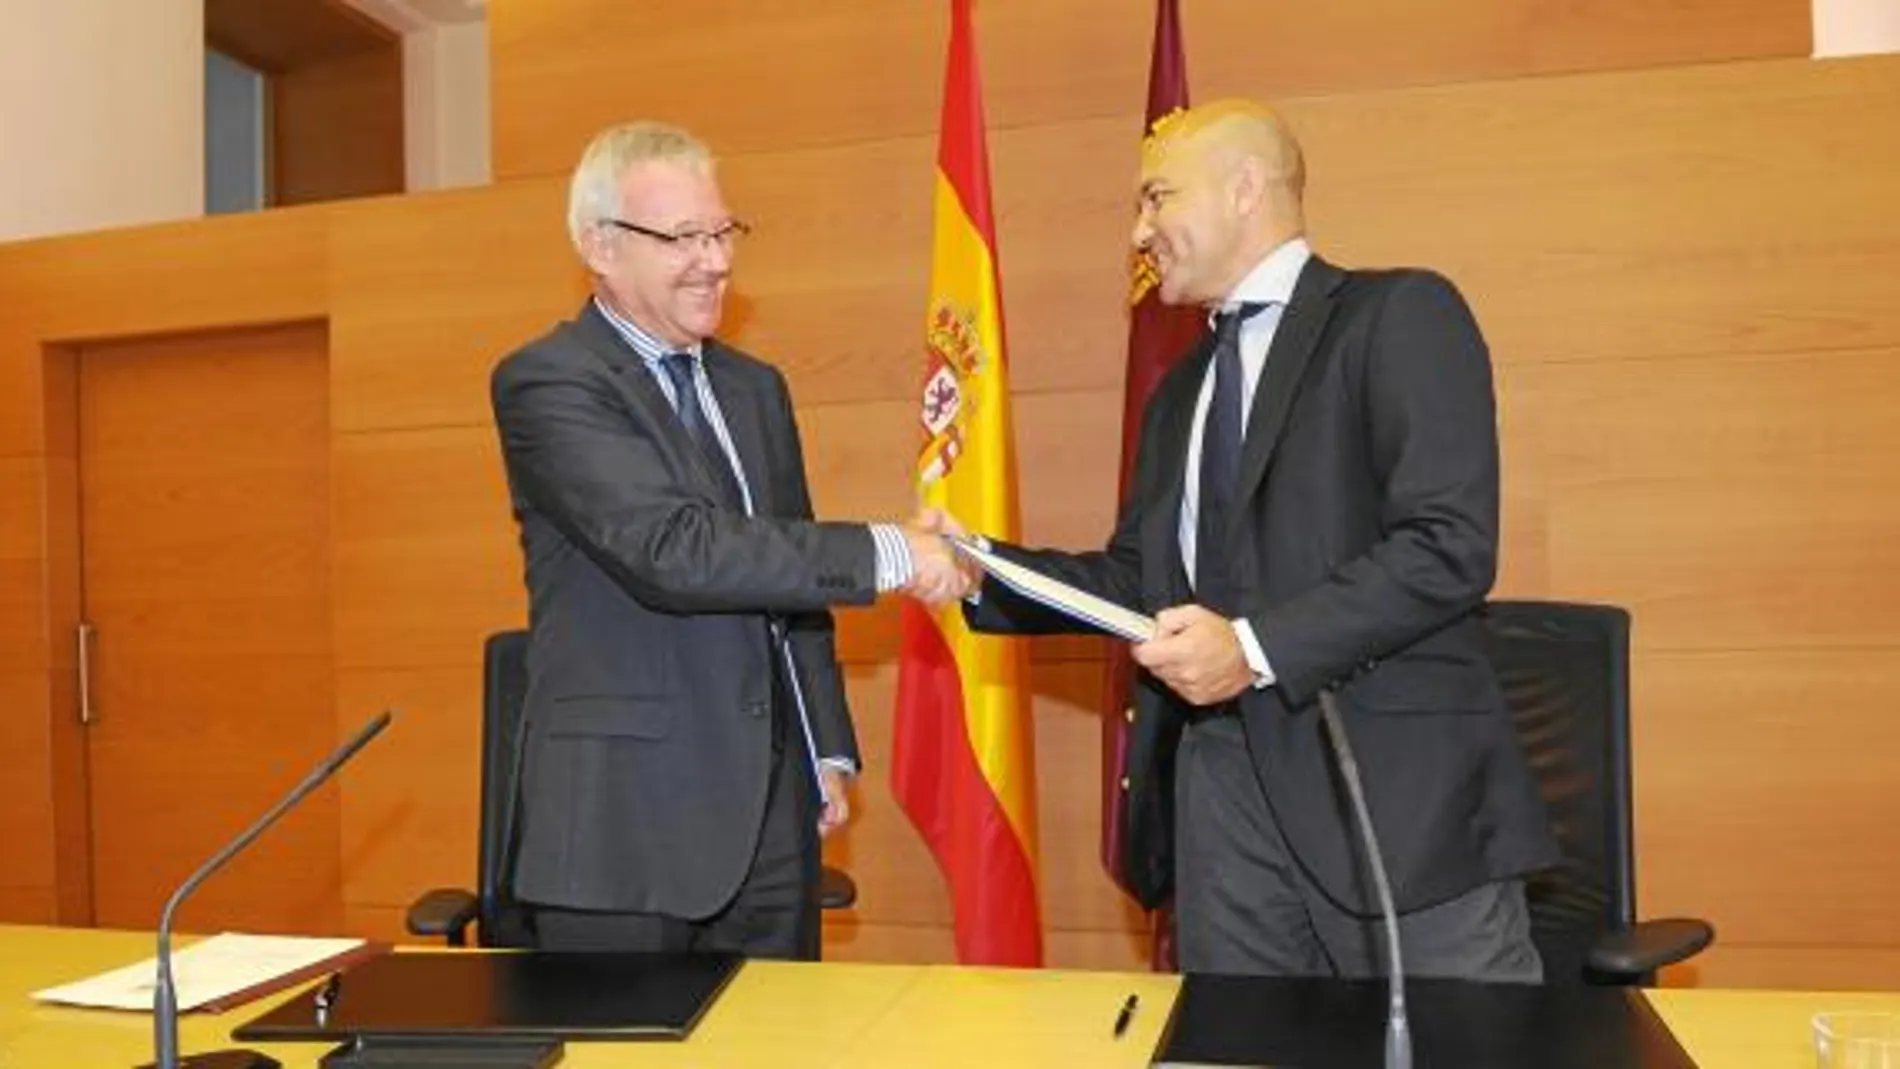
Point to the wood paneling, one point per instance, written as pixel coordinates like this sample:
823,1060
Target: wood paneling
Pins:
756,76
495,263
426,557
337,127
436,739
1782,757
26,798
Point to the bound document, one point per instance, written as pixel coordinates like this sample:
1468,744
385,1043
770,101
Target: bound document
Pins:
1055,594
217,973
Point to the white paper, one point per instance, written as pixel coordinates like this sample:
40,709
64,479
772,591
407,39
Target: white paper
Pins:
1063,598
204,972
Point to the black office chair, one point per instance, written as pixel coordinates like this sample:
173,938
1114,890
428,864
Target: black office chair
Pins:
1564,668
498,919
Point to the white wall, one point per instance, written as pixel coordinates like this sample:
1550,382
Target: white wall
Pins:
101,114
1856,27
445,99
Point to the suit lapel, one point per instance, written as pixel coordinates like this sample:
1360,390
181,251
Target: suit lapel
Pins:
742,410
627,371
1294,343
1161,537
629,374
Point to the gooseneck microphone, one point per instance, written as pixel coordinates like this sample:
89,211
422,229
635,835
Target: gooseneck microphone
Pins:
165,995
1398,1031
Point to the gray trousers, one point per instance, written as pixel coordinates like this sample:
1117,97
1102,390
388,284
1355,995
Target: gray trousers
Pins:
1243,903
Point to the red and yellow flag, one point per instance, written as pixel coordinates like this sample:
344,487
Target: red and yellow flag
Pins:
963,766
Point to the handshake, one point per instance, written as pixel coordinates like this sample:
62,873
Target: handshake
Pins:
939,574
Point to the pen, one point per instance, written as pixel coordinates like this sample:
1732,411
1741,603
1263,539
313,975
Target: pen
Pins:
1127,1014
326,997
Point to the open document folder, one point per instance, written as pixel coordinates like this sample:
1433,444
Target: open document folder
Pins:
217,973
1060,596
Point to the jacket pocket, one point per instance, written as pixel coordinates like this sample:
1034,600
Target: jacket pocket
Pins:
634,716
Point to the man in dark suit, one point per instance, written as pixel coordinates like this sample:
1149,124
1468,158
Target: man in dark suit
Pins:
686,734
1315,507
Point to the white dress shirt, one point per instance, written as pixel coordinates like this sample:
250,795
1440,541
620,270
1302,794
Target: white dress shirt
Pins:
1271,283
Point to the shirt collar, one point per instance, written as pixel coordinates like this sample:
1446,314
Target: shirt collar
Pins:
651,349
1272,279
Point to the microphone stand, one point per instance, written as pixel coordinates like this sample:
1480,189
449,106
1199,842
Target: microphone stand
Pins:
165,994
1398,1031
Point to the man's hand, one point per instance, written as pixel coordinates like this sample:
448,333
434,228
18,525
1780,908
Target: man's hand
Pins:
1197,654
837,806
940,574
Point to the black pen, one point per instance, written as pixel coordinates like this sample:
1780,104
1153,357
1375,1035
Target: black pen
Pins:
1126,1015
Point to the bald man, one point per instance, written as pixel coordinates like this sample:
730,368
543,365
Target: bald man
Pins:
1315,507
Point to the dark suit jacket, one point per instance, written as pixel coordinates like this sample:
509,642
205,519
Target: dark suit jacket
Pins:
1364,539
652,611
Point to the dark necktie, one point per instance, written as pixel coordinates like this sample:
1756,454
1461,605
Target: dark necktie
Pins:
1221,437
679,368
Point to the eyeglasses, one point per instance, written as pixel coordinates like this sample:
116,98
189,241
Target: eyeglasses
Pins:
725,236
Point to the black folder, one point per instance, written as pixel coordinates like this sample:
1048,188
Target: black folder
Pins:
1339,1024
559,996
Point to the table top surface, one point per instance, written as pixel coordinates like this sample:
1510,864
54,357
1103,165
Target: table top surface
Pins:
837,1015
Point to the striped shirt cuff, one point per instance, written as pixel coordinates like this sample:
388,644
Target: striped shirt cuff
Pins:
894,567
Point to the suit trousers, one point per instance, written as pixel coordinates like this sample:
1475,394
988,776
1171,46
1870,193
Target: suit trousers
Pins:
1244,904
775,912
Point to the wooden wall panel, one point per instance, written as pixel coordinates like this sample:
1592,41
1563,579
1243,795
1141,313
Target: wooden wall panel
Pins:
1679,485
23,550
1773,769
422,786
754,76
426,558
428,292
1647,214
227,270
337,127
26,791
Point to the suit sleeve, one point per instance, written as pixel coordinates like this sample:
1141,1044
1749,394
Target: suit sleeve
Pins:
576,455
1431,434
1113,572
812,635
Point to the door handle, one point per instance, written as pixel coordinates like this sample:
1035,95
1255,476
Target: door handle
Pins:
86,714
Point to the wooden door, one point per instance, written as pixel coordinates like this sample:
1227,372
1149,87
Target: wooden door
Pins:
204,511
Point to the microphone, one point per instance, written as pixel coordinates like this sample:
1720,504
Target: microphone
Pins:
1398,1031
165,995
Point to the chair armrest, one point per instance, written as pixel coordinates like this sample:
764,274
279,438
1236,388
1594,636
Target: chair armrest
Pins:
1629,954
445,911
836,890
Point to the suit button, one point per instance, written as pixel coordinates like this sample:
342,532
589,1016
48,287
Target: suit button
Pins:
1128,714
755,710
1124,783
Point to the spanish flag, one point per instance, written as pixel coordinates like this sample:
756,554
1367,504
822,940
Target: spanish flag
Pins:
963,766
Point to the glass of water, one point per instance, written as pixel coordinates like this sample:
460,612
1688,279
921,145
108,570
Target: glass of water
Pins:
1857,1040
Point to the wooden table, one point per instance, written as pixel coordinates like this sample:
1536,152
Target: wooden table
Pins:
835,1016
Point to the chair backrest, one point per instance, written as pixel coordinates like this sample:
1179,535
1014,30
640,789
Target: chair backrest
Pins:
1564,669
504,690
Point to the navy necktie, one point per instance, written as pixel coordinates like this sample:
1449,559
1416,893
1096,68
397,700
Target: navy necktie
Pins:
1221,437
679,368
